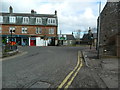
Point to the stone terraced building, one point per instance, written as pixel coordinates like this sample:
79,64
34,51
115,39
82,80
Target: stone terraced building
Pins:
110,30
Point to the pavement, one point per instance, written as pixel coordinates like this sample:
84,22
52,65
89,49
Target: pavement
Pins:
105,68
14,55
7,54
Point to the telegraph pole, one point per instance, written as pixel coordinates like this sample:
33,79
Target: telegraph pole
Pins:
99,20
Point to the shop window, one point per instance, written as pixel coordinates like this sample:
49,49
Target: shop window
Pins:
42,37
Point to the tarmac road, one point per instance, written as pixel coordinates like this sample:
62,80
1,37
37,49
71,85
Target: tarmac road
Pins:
51,67
40,67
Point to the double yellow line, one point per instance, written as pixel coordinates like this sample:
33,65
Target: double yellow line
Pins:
70,77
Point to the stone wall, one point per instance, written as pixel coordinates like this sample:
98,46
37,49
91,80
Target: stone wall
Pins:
109,28
118,45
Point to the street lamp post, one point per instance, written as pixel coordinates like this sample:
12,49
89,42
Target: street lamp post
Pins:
11,35
11,38
12,31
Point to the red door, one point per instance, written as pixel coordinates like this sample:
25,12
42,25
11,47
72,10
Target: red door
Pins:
32,43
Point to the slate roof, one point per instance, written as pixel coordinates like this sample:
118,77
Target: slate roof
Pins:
32,18
29,15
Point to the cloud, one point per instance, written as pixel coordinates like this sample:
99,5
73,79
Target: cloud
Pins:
72,15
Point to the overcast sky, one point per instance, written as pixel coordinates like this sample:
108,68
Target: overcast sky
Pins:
72,14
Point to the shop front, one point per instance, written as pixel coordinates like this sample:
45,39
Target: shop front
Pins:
32,41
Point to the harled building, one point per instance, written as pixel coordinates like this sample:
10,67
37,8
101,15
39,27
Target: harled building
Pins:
66,39
30,29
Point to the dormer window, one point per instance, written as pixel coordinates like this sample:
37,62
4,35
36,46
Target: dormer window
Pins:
1,19
25,20
51,21
12,19
38,21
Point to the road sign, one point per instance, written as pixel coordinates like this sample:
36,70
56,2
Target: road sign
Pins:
62,38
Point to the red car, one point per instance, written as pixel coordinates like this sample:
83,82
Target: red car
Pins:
12,43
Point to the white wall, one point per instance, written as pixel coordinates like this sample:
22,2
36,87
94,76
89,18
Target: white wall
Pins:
41,42
45,42
29,41
38,43
65,42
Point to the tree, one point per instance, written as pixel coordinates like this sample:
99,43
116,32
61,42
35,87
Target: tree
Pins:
4,41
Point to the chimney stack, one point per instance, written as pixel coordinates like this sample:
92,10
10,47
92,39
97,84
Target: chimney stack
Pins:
33,12
55,12
10,9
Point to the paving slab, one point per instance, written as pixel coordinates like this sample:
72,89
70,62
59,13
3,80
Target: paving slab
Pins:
107,67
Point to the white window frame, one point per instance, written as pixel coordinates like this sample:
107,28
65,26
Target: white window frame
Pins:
24,30
12,28
1,19
38,30
51,31
54,21
51,21
25,20
12,19
38,20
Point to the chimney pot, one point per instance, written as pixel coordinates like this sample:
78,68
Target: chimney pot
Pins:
55,12
32,11
10,9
